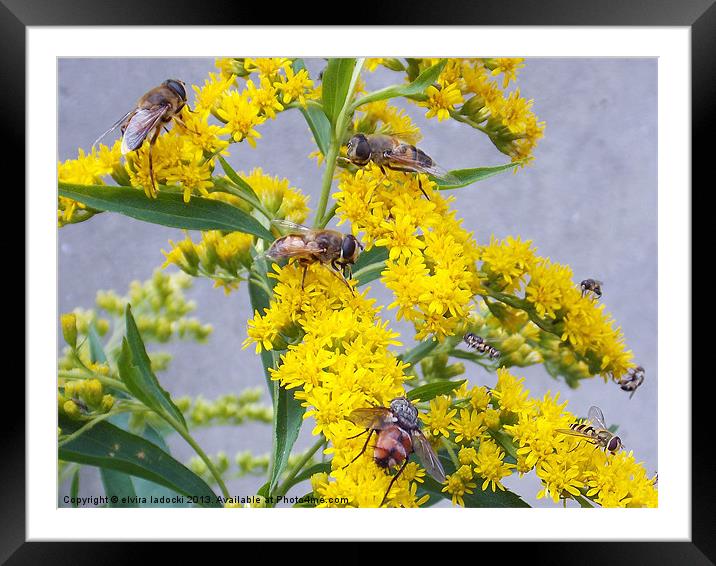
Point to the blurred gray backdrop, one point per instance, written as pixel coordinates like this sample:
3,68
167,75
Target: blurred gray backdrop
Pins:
588,200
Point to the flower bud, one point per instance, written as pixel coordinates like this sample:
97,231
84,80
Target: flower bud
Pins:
71,409
393,64
107,403
68,322
92,392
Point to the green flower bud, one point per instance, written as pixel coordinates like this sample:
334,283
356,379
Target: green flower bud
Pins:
393,64
107,403
91,392
71,409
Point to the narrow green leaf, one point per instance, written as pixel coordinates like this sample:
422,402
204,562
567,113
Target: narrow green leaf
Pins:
288,418
335,85
120,485
136,372
431,390
320,126
107,446
168,209
424,79
421,82
465,177
259,303
75,488
370,265
322,467
97,354
478,498
419,352
238,180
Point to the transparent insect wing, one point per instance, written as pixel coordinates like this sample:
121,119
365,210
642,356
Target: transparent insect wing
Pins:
427,456
113,127
374,418
140,124
597,417
288,227
405,155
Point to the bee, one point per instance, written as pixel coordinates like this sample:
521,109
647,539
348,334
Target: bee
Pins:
389,151
632,380
595,432
591,287
398,436
308,245
478,343
153,111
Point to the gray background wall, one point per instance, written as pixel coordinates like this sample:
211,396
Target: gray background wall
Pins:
588,200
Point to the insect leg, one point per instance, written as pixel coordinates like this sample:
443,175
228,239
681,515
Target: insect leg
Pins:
420,184
357,435
340,276
183,125
151,162
303,277
362,450
395,477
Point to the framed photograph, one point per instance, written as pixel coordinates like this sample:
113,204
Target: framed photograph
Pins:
297,273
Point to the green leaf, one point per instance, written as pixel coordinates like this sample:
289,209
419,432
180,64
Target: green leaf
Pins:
136,372
287,421
478,498
370,265
259,303
107,446
242,185
465,177
432,390
168,209
419,352
320,126
322,467
97,354
421,82
75,487
336,82
120,485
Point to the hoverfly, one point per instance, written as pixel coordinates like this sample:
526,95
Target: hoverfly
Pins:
632,380
398,436
308,245
153,111
595,432
591,287
389,151
478,343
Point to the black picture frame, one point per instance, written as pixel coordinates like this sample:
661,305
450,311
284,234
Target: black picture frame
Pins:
699,15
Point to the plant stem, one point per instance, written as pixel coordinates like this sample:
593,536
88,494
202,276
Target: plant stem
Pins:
84,428
209,464
108,381
335,146
291,474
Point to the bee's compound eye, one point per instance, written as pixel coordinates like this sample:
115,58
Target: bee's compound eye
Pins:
614,444
176,86
348,248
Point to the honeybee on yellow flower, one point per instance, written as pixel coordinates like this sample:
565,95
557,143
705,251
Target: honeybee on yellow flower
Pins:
308,245
389,151
156,108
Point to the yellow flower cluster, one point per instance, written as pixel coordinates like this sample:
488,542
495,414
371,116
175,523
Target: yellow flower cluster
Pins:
556,302
431,265
337,360
279,198
393,120
501,430
466,93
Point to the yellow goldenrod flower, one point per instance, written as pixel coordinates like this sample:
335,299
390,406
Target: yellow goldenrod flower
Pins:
241,116
295,86
441,101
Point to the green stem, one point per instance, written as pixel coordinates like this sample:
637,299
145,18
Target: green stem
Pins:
451,452
293,472
335,146
209,464
108,381
327,218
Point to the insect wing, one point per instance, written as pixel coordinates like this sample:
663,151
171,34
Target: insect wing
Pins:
572,432
288,227
140,124
113,127
427,456
597,417
408,156
292,246
374,418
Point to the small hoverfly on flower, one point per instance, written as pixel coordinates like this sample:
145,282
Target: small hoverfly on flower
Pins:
595,432
398,436
153,111
308,245
389,151
478,343
631,381
591,287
